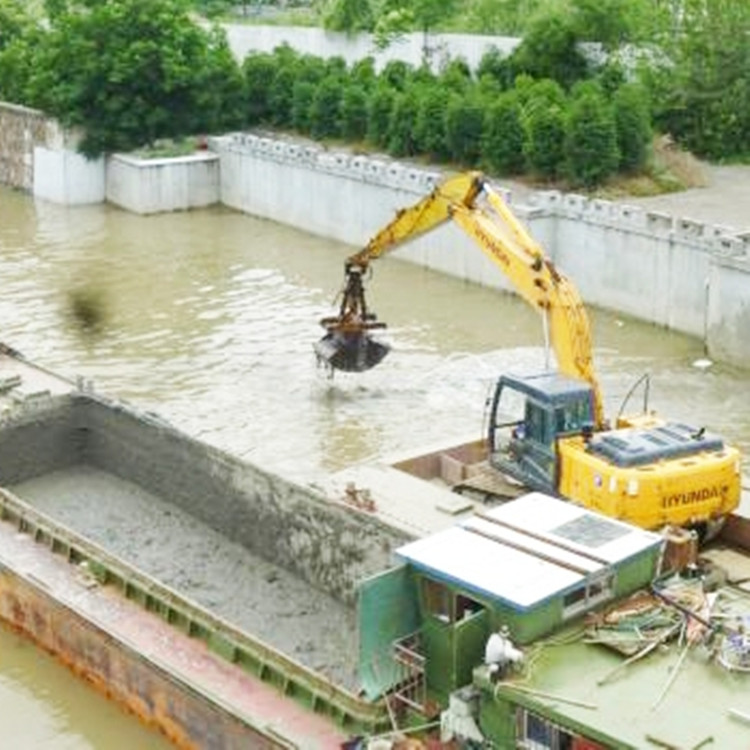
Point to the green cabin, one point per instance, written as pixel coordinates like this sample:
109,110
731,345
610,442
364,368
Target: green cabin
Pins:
530,565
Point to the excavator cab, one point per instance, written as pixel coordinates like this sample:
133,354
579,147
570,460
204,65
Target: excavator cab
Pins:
528,415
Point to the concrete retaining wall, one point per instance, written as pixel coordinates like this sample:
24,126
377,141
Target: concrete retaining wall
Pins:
330,546
21,129
665,270
409,48
147,186
37,155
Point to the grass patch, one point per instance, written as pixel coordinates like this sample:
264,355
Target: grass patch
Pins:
166,148
671,169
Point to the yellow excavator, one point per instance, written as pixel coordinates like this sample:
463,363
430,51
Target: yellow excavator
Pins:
548,431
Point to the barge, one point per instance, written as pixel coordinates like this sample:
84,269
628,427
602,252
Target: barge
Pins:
230,608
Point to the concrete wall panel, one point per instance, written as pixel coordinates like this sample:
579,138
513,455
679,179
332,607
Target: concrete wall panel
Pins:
409,48
67,177
147,186
728,317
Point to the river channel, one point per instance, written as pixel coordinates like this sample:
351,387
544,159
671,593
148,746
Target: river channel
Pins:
208,318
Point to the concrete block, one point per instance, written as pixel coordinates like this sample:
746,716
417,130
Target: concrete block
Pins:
600,210
148,186
689,228
66,177
726,246
659,223
574,204
549,199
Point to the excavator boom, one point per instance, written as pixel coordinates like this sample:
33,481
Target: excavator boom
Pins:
469,201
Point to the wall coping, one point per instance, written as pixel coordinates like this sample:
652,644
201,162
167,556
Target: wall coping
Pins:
715,239
136,161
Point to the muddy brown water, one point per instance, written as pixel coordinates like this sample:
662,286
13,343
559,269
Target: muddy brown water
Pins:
208,318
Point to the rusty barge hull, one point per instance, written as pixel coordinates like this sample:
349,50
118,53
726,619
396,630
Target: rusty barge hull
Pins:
168,681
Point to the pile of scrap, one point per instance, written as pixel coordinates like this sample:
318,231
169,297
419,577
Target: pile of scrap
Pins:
681,610
635,626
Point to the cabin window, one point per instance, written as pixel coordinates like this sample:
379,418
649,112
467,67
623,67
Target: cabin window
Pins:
437,600
466,607
585,596
575,598
534,732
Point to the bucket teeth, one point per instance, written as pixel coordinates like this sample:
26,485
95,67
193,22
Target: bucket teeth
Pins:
350,352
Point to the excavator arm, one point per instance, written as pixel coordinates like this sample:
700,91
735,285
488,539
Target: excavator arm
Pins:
470,202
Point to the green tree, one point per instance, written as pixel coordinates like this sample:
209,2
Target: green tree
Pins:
456,76
544,129
280,94
701,93
550,50
506,17
363,73
259,69
396,74
464,118
20,40
15,21
128,73
349,16
310,68
401,124
220,87
497,66
379,109
397,17
303,93
590,137
503,135
325,109
612,23
429,127
354,112
633,122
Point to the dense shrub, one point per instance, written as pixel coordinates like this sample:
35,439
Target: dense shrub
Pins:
363,73
259,69
429,128
354,112
544,132
633,122
302,97
701,86
456,76
550,50
379,109
503,135
464,118
310,68
396,74
591,137
325,109
280,95
401,125
498,67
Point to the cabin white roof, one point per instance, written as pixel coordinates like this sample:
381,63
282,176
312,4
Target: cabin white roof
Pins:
528,550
